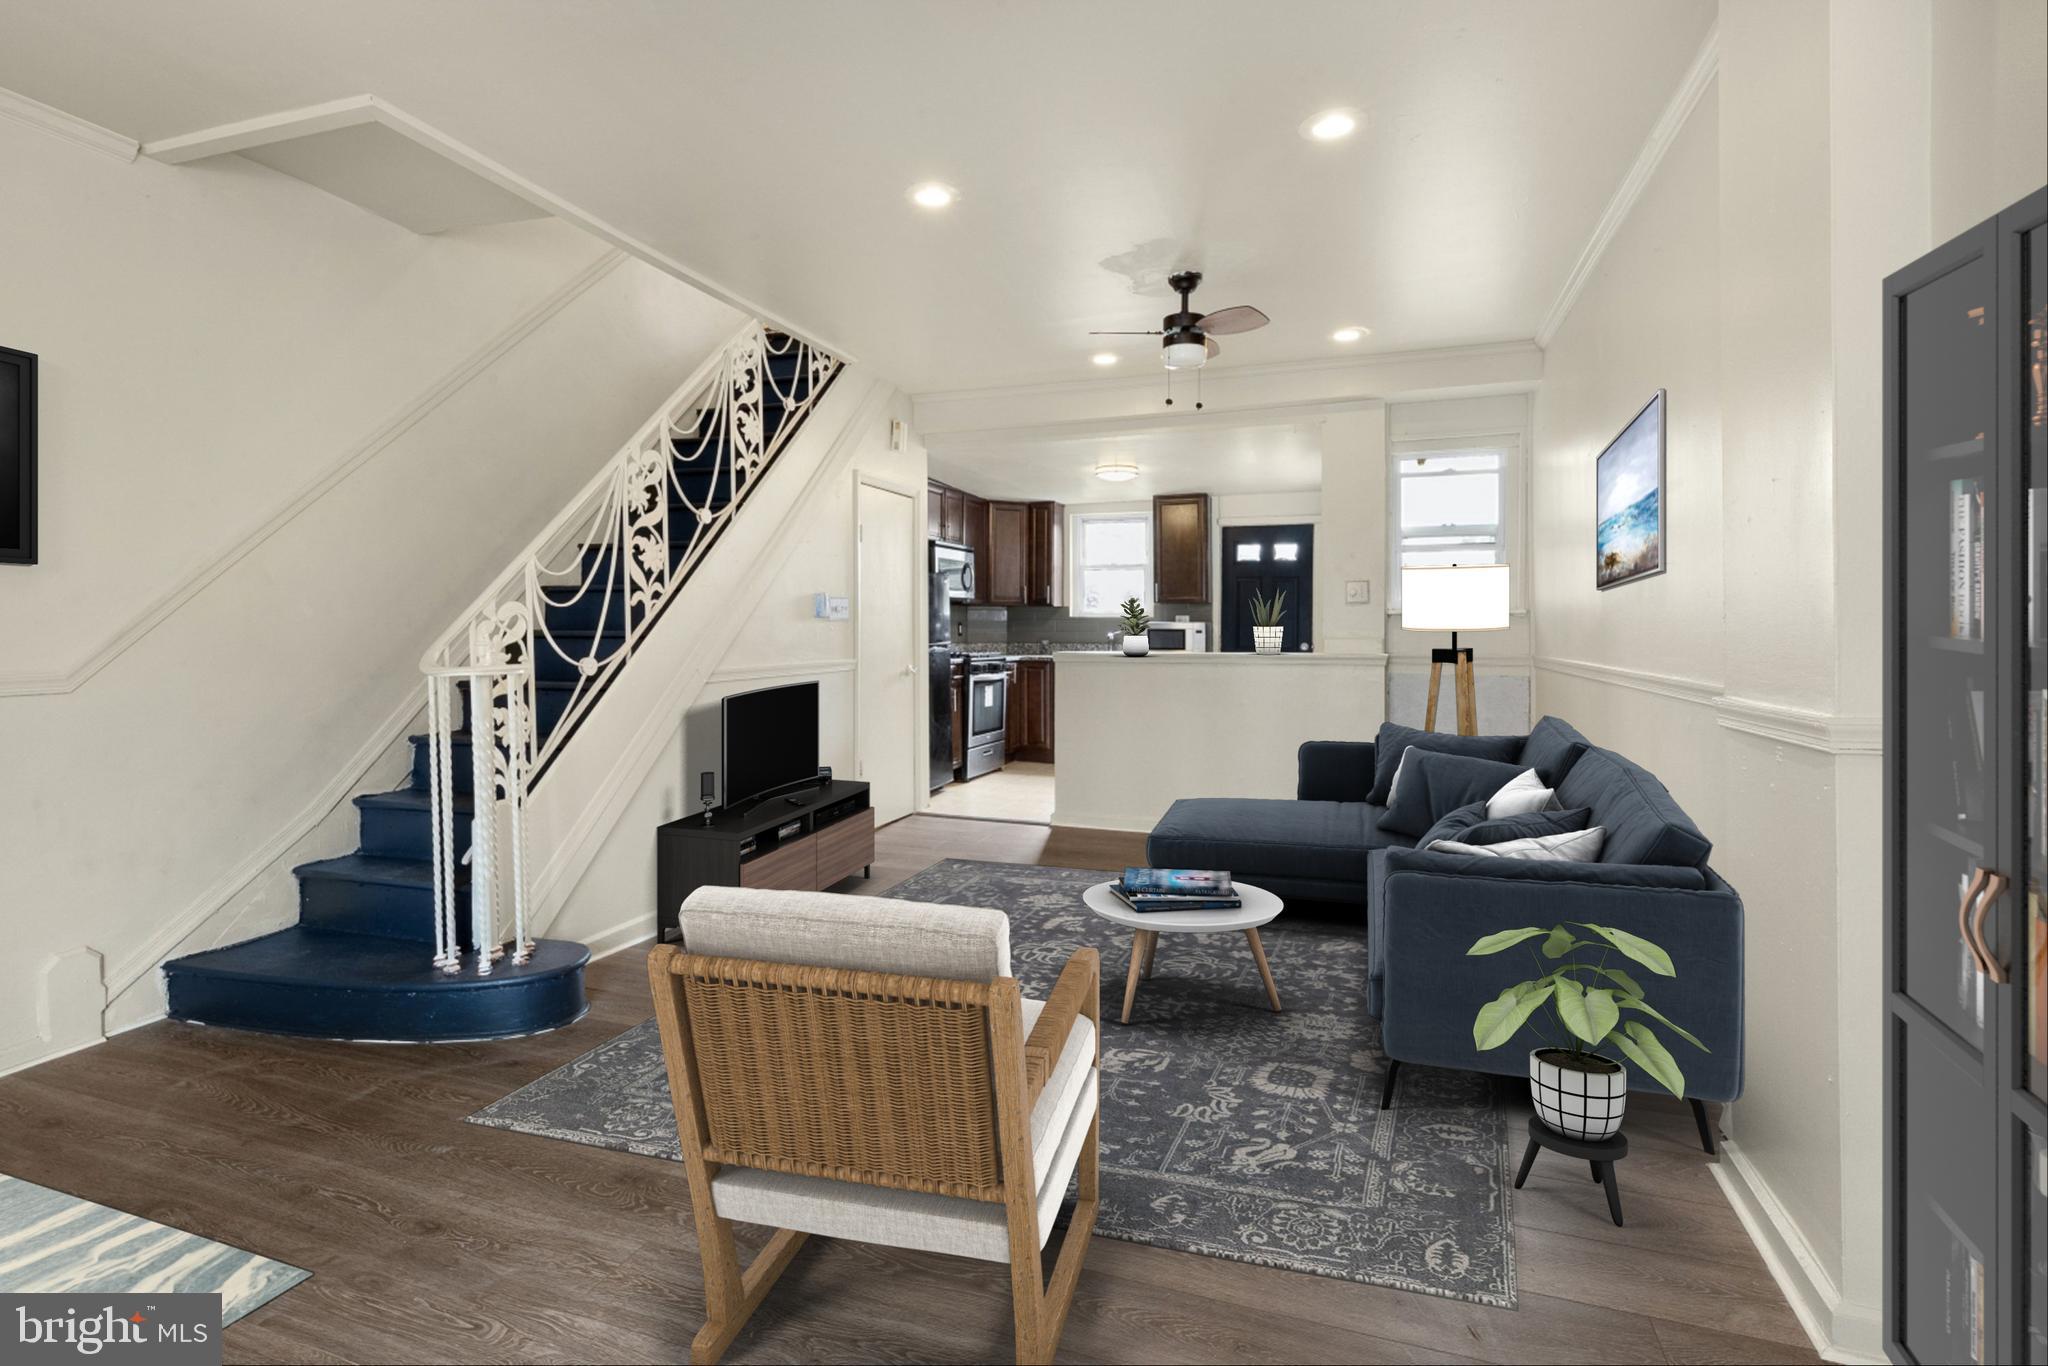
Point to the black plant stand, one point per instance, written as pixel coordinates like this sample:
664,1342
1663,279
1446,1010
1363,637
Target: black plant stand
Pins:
1601,1155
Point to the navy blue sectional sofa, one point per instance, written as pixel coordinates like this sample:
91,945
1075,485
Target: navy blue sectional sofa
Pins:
1423,909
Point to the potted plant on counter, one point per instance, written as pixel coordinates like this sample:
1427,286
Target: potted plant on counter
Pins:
1136,642
1267,629
1577,1091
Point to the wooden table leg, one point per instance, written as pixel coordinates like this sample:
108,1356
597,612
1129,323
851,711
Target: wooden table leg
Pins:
1138,938
1265,969
1151,950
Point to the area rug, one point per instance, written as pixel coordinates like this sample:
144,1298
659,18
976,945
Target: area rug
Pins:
53,1243
1227,1130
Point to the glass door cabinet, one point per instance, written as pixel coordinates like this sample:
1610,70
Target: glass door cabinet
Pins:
1966,771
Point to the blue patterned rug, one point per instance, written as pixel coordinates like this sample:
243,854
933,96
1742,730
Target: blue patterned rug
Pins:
1227,1130
53,1243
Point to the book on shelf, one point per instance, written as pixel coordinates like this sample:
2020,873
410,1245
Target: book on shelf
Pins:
1966,559
1152,905
1176,882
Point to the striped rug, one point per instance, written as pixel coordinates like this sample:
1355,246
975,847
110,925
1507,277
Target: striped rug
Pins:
53,1243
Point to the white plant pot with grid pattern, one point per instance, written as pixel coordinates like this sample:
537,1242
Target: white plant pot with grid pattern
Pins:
1575,1102
1266,639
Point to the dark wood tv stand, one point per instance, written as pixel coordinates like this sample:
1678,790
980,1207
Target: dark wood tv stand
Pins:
806,841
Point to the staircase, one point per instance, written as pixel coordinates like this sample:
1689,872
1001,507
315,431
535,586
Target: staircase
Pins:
381,952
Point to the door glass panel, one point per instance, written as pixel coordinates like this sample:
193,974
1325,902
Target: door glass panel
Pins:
2030,955
1249,550
1948,374
2034,1241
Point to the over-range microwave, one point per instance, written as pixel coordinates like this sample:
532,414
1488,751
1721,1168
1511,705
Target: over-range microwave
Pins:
1178,635
954,564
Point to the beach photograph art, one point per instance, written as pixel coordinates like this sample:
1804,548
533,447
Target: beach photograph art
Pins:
1629,543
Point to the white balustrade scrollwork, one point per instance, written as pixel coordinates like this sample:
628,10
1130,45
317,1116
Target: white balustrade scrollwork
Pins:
634,533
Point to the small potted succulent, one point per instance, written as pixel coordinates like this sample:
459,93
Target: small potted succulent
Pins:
1136,642
1577,1091
1267,629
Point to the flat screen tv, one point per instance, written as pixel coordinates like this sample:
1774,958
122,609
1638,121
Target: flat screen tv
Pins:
771,741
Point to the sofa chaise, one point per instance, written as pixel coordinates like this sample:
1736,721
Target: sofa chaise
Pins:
1423,909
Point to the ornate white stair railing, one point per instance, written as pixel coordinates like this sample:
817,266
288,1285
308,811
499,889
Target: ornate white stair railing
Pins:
616,538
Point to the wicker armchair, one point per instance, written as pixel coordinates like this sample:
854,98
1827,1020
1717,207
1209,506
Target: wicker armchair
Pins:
867,1069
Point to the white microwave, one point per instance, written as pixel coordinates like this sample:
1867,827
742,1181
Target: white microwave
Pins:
1179,635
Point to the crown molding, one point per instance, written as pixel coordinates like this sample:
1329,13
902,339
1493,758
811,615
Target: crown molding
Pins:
1705,64
69,127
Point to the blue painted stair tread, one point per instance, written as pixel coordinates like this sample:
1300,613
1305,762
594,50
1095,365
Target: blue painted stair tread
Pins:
52,1243
359,964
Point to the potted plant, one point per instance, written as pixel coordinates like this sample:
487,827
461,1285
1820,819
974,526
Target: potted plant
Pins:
1266,627
1577,1091
1136,642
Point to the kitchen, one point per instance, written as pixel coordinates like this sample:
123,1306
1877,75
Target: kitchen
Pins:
1001,580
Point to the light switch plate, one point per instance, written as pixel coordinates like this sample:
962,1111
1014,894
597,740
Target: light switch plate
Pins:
1358,591
828,608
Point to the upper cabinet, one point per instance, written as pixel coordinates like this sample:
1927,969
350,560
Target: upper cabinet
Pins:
1045,569
974,535
1180,548
1002,569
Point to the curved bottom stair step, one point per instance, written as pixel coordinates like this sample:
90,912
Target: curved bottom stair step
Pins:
325,985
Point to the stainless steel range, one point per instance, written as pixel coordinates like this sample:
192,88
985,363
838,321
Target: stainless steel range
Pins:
988,710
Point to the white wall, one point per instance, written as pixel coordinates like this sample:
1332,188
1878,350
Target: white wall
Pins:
283,443
613,903
1836,144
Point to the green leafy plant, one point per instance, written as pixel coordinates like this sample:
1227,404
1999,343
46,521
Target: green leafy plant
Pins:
1587,999
1135,620
1266,611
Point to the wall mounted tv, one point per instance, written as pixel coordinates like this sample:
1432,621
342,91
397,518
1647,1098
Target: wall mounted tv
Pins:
771,741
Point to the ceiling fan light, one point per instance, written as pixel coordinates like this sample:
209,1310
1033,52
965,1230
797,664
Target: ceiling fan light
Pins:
1350,334
1104,358
1115,471
933,195
1331,125
1185,355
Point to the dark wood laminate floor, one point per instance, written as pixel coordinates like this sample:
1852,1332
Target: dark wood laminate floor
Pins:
435,1240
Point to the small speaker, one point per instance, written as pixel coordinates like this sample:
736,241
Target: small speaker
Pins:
824,773
707,792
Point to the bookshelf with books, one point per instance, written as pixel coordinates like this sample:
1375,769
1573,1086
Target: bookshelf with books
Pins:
1966,797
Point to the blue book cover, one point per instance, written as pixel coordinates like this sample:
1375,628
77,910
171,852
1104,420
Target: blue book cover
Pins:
1191,882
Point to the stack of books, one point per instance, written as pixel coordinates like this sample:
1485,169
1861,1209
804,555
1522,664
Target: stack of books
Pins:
1176,889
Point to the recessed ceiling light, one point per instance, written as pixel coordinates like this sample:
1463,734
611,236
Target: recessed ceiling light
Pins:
1350,334
933,195
1115,471
1330,125
1104,358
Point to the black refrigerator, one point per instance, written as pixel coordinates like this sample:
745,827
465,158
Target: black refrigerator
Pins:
939,664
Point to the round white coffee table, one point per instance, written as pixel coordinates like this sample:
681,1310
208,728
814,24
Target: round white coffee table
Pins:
1259,907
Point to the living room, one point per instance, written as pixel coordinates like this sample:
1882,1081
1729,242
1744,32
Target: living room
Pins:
1470,832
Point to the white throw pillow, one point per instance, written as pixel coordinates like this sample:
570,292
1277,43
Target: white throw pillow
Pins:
1523,794
1574,846
1394,783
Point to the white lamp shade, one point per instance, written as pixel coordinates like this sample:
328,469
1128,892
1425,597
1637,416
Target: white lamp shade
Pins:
1455,597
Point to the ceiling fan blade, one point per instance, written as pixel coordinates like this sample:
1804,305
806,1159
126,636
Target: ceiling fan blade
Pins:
1241,318
1155,332
1209,344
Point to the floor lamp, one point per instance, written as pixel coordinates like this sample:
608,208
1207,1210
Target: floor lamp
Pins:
1454,598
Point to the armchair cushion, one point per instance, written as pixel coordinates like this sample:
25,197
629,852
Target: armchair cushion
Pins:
867,934
1255,837
1395,740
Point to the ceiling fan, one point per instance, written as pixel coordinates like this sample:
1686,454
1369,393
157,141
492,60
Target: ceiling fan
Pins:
1187,337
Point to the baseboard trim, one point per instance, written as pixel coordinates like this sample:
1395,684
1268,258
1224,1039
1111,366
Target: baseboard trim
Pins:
12,1062
1086,820
153,616
620,937
1840,1331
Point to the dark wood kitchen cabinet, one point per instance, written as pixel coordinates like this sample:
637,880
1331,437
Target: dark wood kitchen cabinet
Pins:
1031,731
1013,724
1002,571
952,515
959,713
934,510
1180,547
1045,567
974,534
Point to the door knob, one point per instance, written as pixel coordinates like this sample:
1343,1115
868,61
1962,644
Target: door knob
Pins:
1994,886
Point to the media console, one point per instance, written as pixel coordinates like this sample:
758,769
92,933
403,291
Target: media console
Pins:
804,842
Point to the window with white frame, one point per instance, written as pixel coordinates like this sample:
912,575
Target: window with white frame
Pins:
1449,507
1112,554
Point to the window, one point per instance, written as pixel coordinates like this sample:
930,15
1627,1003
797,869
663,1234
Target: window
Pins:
1112,561
1449,507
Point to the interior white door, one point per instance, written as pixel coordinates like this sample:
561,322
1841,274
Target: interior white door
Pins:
890,607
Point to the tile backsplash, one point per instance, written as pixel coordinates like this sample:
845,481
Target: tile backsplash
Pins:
1055,627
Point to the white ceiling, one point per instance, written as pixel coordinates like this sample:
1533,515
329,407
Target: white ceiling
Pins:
768,147
1205,459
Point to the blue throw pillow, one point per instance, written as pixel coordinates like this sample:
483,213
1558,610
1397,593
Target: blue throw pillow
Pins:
1394,742
1469,825
1433,785
1552,748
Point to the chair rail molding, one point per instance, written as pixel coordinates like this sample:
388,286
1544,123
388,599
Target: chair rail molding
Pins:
1826,732
71,128
1696,691
27,684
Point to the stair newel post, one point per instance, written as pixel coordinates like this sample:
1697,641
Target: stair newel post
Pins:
515,794
441,817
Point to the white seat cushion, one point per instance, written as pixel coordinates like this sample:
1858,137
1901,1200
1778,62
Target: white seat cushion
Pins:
863,933
934,1223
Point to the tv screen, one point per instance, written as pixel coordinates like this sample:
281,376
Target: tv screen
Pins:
771,740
